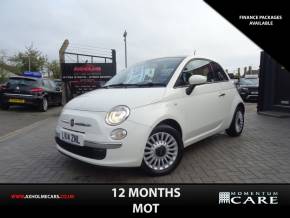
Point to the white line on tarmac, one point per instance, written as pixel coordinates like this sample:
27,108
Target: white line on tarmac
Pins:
22,130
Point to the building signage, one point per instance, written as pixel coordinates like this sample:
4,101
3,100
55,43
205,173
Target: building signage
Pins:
84,77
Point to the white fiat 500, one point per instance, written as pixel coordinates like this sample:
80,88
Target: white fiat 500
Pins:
147,114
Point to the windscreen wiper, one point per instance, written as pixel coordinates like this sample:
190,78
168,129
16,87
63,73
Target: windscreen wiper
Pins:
119,85
150,84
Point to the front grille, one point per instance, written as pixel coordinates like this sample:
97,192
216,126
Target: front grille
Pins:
253,89
89,152
252,97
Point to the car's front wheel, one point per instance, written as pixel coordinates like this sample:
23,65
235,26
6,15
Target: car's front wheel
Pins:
237,124
163,151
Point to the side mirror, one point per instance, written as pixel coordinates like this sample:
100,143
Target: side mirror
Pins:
195,80
57,89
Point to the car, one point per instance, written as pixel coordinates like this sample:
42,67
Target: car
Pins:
30,91
58,83
248,87
148,113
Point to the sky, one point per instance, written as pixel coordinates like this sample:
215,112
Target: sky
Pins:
156,28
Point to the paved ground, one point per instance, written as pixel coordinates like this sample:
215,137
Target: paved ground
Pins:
260,155
18,117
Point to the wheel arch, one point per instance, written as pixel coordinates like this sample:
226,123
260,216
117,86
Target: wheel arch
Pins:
237,102
171,122
242,106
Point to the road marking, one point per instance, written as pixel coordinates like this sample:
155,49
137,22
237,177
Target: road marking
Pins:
22,130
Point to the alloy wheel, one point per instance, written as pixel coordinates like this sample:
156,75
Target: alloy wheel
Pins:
239,121
161,151
44,104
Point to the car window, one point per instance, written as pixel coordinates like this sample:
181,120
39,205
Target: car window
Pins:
58,82
218,70
196,67
52,84
46,84
13,82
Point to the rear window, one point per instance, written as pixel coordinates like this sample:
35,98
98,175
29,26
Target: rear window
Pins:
13,82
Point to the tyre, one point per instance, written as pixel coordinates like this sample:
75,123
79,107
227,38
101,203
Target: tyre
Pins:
237,124
59,103
163,151
44,105
4,106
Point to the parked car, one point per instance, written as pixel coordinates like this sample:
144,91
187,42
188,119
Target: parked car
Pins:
147,114
23,90
248,87
58,83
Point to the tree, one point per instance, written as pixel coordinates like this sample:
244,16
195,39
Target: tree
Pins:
5,68
30,58
54,68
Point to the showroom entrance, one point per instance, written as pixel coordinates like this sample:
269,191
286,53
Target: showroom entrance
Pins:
282,95
274,87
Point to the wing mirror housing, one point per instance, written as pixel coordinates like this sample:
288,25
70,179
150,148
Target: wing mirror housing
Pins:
194,81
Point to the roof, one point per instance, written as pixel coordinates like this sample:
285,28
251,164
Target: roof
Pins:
24,77
189,57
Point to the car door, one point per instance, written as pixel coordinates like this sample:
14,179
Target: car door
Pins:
201,110
227,89
56,92
49,92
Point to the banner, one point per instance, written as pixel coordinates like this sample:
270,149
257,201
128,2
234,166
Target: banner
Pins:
148,199
84,77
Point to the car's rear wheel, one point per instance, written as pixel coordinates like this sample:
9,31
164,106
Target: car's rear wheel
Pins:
163,151
237,124
44,105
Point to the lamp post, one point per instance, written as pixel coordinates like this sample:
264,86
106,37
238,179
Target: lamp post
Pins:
125,40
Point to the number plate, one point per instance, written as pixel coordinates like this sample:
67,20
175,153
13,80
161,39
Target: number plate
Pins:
15,100
72,138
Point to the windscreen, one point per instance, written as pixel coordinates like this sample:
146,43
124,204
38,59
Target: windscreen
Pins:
253,81
157,71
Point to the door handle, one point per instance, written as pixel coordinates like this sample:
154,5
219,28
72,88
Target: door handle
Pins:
223,94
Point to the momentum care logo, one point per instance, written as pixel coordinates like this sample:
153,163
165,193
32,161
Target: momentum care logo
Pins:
248,198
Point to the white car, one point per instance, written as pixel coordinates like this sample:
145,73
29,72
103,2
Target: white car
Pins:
147,114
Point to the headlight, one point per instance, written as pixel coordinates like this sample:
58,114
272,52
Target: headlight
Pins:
117,115
244,89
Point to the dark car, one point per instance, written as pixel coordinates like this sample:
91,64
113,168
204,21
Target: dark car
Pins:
38,92
248,88
58,83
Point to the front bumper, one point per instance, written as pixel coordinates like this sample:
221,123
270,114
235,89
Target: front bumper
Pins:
98,148
248,95
84,151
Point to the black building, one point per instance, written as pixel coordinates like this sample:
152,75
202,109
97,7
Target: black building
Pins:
274,87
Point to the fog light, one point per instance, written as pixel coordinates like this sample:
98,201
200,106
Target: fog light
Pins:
118,134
